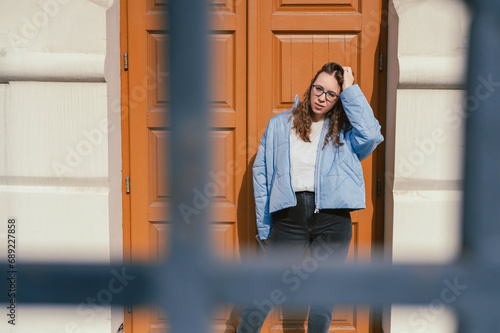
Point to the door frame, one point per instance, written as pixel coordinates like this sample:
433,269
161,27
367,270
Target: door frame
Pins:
125,141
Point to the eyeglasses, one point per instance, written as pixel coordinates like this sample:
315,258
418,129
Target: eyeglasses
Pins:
330,95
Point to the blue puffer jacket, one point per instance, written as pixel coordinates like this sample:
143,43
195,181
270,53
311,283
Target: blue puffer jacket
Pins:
338,176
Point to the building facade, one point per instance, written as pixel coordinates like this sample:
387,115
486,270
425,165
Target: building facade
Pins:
62,80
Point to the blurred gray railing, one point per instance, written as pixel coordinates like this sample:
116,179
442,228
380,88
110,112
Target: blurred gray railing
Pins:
191,282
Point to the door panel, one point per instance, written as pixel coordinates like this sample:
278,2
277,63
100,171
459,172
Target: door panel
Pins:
262,53
227,58
149,137
148,123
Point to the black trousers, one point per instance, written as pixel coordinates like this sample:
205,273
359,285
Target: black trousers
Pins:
327,234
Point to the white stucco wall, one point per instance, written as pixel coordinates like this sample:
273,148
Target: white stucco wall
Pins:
427,56
60,155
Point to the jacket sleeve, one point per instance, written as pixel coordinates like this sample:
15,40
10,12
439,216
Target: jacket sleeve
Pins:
365,133
261,188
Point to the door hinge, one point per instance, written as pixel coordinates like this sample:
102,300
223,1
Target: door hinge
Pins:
380,62
379,186
127,185
125,61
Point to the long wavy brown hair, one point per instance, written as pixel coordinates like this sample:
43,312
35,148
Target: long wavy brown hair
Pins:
336,116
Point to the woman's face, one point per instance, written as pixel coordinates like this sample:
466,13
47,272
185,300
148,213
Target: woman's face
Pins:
320,105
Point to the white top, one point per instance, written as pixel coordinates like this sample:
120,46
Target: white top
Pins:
303,158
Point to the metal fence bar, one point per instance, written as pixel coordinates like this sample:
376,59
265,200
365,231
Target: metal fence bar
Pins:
57,283
368,283
481,231
189,120
185,293
482,164
375,283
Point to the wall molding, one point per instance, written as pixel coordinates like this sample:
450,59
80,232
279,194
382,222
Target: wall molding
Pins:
432,72
18,65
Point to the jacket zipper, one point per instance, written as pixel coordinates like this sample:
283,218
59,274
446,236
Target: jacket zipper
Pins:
318,162
290,163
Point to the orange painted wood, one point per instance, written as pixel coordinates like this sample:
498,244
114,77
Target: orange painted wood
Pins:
148,103
289,40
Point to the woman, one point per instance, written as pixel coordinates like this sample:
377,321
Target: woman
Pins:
307,176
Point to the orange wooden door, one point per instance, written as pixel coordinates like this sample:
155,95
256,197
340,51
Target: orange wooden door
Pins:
145,138
146,207
263,52
289,41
